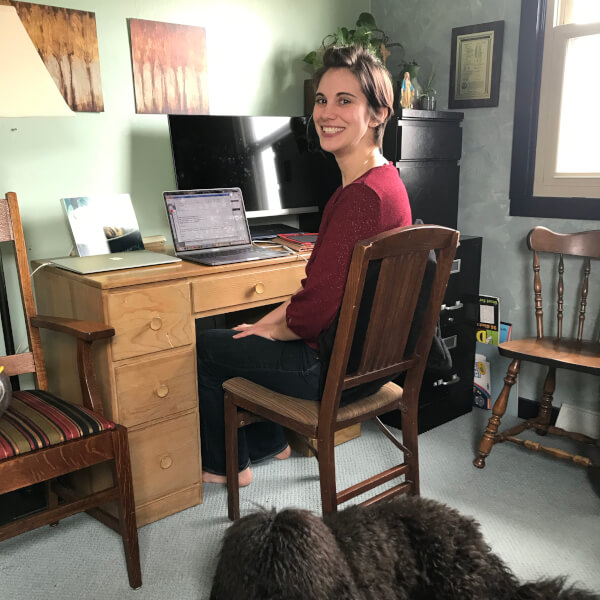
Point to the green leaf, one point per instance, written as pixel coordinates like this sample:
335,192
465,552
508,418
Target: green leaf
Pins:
366,20
310,58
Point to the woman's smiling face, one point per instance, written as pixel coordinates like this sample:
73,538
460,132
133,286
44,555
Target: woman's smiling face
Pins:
342,116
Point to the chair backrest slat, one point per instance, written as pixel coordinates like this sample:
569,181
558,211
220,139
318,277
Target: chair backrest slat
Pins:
18,364
561,295
6,232
386,339
403,253
584,293
586,245
537,289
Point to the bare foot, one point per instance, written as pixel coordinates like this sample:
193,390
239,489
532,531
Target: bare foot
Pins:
244,477
286,453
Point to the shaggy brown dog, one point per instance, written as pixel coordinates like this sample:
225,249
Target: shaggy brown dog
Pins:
408,548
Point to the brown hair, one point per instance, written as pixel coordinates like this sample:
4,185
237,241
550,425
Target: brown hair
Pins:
374,79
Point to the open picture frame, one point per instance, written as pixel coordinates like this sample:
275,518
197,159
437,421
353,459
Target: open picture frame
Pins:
475,63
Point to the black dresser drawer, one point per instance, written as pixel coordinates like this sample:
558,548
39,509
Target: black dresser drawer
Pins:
432,190
429,140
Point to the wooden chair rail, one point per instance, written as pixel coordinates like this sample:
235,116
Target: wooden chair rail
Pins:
372,482
401,488
35,467
62,511
584,243
555,452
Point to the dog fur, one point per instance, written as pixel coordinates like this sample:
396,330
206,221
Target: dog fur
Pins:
407,548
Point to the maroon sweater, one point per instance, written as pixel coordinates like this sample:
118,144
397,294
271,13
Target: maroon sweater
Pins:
373,203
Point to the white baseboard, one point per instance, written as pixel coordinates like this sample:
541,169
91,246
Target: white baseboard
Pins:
582,420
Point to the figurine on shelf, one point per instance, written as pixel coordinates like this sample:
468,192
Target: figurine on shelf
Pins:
407,91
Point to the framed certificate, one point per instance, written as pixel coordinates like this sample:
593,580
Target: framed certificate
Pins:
475,61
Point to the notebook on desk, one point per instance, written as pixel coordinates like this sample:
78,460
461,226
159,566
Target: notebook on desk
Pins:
86,265
210,227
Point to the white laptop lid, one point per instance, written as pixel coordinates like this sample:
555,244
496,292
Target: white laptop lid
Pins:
207,219
113,262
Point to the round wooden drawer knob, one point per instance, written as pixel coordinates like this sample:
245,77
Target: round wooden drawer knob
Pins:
156,323
259,288
166,462
162,390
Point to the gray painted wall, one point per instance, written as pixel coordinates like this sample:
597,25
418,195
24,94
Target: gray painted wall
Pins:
424,27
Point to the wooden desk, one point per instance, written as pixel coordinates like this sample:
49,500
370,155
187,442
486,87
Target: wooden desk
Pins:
147,371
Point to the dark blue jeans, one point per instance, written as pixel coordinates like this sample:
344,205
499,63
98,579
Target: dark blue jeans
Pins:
291,368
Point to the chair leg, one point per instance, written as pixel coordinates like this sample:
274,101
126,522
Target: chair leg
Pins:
545,411
326,458
487,441
127,520
410,437
231,457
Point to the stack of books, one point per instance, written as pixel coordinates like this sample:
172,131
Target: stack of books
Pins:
297,241
155,243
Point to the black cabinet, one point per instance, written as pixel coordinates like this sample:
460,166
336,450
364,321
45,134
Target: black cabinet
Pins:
426,147
443,399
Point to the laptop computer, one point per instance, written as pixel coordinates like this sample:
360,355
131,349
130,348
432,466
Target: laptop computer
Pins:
210,227
113,262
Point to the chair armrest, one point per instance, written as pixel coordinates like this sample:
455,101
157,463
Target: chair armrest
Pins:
87,331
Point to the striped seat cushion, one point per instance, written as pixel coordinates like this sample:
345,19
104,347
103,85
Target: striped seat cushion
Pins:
36,419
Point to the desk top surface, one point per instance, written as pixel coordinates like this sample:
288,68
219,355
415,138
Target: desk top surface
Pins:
162,273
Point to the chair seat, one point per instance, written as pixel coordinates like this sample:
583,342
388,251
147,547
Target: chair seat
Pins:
306,412
36,419
565,353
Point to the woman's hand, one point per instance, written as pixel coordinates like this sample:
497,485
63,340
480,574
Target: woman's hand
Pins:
260,329
268,330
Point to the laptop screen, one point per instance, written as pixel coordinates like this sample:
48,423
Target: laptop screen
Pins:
202,219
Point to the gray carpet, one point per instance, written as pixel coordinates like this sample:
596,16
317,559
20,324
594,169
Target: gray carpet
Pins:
541,515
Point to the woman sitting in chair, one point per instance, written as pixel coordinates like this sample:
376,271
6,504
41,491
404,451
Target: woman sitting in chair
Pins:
353,102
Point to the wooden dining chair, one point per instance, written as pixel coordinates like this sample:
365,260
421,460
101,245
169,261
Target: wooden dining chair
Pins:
43,438
559,351
392,282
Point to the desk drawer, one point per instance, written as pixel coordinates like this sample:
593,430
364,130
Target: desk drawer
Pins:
150,319
157,388
165,457
250,287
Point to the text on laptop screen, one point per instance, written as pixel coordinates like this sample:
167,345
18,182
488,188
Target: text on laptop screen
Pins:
207,220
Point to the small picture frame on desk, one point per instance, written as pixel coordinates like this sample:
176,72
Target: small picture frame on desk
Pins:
475,63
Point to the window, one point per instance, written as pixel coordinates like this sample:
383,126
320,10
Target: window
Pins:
555,162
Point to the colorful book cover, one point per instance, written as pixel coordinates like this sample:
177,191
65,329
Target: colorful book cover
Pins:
482,396
484,312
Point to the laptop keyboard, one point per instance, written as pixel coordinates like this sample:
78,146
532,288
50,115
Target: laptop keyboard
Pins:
224,257
241,252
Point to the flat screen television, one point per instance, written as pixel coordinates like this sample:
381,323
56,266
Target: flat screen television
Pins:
276,161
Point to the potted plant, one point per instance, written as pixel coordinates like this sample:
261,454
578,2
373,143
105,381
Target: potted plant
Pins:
366,34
